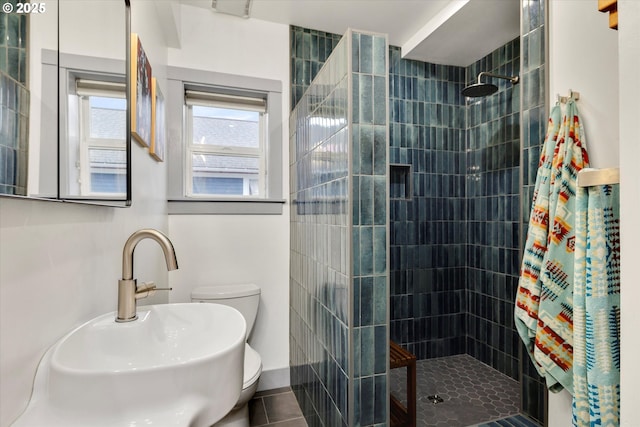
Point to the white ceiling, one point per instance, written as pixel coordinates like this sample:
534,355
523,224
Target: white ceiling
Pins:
453,32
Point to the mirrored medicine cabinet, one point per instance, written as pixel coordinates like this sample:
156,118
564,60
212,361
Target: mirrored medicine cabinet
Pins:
65,132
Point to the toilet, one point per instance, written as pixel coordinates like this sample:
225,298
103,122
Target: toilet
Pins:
245,299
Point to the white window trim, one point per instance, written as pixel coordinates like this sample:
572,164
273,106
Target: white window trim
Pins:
178,80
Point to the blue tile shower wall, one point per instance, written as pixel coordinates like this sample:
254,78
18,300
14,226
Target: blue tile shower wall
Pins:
493,212
319,272
309,50
369,167
13,45
454,240
534,119
14,104
338,312
14,136
428,235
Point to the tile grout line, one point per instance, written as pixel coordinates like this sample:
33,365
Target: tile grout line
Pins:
264,408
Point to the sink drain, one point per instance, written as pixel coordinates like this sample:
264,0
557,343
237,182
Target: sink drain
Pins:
435,399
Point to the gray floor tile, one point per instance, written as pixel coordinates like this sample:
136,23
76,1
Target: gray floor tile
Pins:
281,407
257,413
474,395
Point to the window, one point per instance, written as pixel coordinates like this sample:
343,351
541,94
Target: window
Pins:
94,157
101,160
226,142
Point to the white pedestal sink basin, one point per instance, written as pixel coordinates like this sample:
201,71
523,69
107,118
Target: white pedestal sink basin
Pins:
177,365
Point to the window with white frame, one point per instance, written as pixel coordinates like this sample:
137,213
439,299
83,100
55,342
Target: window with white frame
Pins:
226,140
101,162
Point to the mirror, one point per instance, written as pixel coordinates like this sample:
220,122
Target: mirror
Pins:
23,108
74,120
94,131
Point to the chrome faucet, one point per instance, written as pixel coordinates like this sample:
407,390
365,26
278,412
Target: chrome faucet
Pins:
128,290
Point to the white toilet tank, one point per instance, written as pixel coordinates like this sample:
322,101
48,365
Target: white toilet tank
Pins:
244,298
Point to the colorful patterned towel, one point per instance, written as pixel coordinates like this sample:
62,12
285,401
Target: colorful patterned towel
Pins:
552,323
596,305
528,296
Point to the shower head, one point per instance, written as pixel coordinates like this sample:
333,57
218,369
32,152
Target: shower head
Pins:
479,89
484,89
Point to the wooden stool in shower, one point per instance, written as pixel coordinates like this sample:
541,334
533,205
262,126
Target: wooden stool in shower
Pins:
401,416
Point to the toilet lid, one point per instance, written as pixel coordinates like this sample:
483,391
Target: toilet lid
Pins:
252,366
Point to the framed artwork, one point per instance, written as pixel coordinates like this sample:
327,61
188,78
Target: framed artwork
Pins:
140,93
158,123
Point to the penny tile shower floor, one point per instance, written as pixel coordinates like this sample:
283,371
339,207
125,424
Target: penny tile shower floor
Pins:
473,392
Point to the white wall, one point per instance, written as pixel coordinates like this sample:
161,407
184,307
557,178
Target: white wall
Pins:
59,266
629,51
584,57
60,262
583,54
220,249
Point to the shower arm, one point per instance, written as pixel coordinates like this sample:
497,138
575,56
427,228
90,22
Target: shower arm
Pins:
513,79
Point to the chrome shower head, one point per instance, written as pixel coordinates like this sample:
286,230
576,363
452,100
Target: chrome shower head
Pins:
483,89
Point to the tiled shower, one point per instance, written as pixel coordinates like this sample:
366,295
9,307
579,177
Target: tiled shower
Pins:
339,226
456,174
428,235
493,208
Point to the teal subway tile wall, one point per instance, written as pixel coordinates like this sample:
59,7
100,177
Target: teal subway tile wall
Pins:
309,50
14,103
13,45
454,240
339,280
493,208
370,284
319,294
428,236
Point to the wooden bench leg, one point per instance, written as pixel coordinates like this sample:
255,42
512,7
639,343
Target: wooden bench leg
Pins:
411,394
401,416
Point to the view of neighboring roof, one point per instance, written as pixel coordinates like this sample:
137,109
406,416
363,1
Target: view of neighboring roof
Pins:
228,132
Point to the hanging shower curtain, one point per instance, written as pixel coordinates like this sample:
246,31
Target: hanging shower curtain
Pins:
544,301
596,300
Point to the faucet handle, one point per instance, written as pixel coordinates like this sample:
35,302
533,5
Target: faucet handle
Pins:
147,289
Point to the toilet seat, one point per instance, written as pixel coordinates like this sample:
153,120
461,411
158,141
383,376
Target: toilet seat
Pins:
252,367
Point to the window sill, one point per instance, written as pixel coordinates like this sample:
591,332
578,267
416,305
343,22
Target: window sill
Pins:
226,206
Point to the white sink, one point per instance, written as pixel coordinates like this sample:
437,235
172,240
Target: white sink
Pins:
177,365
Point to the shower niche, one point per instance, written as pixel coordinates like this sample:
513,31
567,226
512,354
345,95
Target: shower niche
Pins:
400,182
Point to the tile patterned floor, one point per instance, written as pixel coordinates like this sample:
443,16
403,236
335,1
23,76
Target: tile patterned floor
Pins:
474,395
472,391
516,421
275,408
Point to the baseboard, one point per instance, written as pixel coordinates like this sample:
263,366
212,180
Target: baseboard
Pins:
274,378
